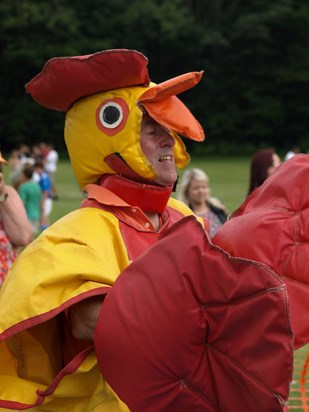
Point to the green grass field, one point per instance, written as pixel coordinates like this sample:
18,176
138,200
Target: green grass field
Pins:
70,195
228,181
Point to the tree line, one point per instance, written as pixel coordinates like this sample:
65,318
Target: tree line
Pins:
254,53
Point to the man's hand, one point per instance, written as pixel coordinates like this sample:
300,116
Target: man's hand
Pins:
84,316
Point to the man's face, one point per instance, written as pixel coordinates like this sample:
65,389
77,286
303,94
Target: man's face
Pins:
157,144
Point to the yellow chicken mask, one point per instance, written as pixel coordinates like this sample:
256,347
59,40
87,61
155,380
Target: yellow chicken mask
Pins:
104,96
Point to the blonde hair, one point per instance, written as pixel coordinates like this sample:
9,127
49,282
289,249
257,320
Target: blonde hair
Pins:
184,184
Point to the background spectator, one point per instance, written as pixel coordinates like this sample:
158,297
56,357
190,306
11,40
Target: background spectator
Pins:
36,153
294,151
194,191
43,179
15,229
31,195
25,155
50,163
15,168
263,164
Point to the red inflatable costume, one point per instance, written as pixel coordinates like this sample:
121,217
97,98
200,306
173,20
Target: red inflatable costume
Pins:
186,328
272,226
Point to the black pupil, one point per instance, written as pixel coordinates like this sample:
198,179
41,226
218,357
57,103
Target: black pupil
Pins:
111,114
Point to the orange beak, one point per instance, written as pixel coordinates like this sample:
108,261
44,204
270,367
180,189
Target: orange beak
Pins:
165,108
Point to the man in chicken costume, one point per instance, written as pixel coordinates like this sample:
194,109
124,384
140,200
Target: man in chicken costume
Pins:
125,304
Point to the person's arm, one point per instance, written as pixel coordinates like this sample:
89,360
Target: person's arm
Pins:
14,216
84,315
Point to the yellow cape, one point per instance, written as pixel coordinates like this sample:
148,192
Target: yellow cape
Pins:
81,255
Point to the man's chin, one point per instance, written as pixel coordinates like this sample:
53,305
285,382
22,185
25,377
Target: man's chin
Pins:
165,183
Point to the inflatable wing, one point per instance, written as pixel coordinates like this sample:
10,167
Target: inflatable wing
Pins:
186,327
272,226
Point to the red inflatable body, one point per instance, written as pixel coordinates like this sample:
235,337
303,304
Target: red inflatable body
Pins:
186,328
272,226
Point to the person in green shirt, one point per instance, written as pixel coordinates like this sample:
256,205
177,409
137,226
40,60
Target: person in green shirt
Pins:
31,195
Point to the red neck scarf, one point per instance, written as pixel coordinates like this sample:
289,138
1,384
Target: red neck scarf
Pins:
149,198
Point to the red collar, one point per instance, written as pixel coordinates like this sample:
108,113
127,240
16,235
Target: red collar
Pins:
149,198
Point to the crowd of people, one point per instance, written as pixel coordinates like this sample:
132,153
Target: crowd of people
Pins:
32,173
26,200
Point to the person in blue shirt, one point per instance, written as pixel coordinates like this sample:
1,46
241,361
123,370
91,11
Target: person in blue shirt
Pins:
45,183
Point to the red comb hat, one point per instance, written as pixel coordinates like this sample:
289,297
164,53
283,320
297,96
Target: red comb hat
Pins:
64,80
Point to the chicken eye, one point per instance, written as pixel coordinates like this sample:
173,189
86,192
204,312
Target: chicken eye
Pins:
111,115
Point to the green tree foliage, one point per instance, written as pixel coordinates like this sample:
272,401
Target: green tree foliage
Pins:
255,90
31,33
